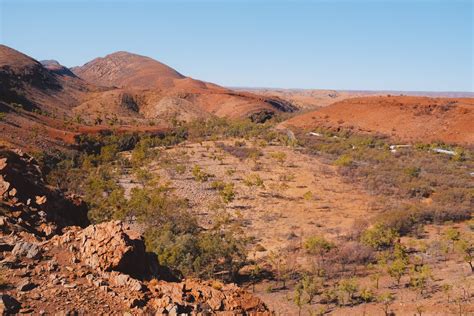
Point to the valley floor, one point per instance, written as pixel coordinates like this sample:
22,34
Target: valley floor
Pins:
284,196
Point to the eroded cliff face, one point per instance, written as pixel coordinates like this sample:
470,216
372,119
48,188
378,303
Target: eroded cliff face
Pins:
51,261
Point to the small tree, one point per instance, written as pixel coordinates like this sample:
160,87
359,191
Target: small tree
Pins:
397,269
452,235
367,295
298,297
419,278
349,287
311,286
254,273
379,237
386,299
318,246
466,248
447,291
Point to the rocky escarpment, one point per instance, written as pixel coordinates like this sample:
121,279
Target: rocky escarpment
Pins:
28,204
98,269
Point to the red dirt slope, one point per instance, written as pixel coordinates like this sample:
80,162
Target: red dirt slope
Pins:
412,119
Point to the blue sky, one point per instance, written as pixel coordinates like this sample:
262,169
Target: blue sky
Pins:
361,45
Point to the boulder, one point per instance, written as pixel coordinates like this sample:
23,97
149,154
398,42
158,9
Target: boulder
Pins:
109,247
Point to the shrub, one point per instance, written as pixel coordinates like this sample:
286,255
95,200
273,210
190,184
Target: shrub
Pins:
412,171
354,253
397,269
200,175
419,277
379,237
465,247
226,190
348,287
318,245
227,193
253,180
308,196
279,156
367,295
343,161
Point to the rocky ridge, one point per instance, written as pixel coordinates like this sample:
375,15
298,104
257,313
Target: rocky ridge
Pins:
101,268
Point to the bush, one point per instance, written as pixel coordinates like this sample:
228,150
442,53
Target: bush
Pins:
200,175
279,156
253,180
412,171
317,245
226,190
343,161
379,237
227,193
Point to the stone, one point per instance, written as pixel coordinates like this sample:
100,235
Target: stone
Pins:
8,305
90,278
40,200
4,185
26,249
25,286
109,247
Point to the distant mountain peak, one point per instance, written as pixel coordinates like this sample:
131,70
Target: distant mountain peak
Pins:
54,66
127,69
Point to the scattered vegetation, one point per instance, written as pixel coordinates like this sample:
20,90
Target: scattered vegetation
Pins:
428,188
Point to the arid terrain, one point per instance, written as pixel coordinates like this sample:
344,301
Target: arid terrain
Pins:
55,103
308,99
404,118
128,188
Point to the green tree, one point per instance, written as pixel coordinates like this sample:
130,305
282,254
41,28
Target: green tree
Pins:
311,286
298,297
397,269
466,248
386,299
379,237
318,246
349,287
419,278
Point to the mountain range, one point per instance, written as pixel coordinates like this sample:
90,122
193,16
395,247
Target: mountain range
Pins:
121,89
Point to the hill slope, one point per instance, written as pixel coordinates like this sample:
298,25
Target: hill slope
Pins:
403,118
122,69
47,103
169,93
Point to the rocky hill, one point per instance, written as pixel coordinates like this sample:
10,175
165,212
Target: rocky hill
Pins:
123,69
50,262
162,91
45,105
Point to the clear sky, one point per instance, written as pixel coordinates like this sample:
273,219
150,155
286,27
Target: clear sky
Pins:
417,45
